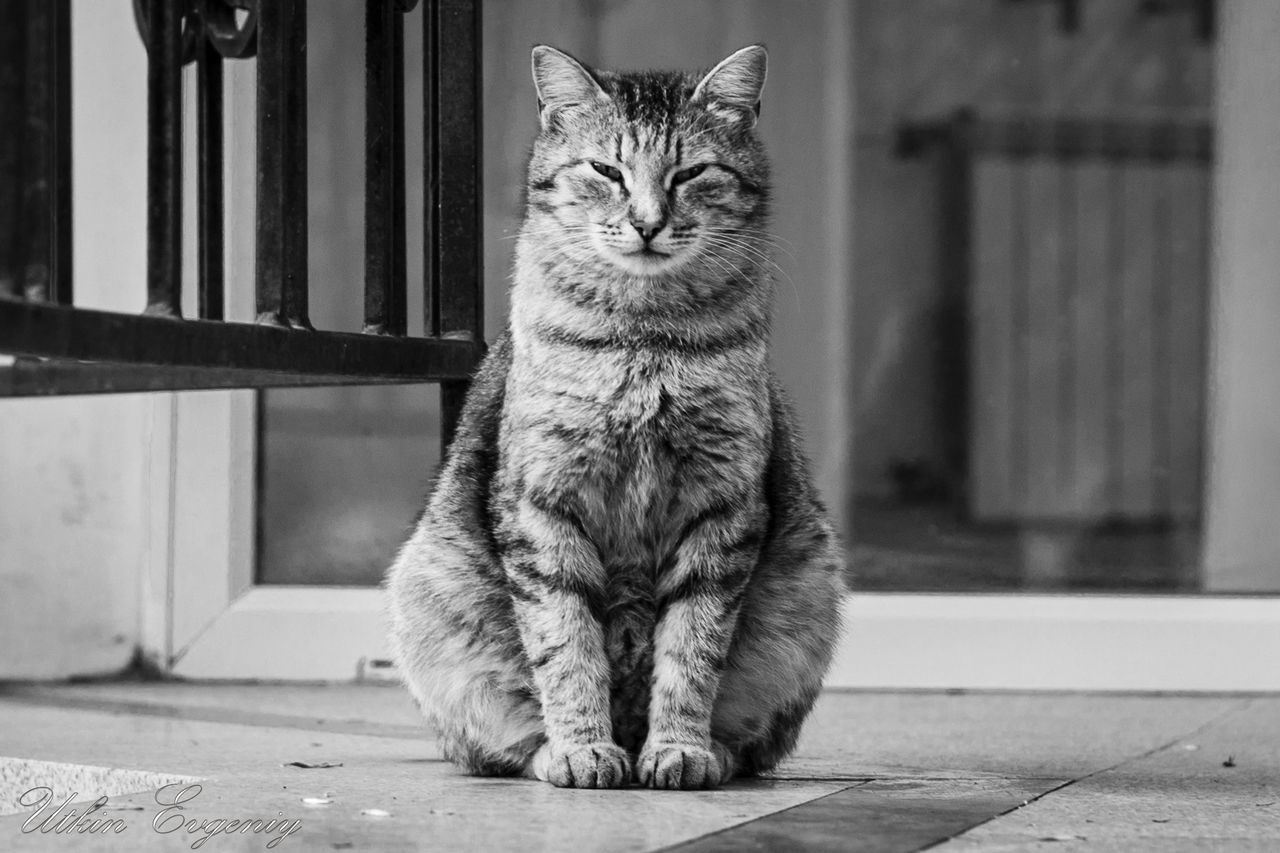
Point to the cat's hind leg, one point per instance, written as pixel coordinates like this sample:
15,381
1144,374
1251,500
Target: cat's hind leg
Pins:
454,638
786,632
453,630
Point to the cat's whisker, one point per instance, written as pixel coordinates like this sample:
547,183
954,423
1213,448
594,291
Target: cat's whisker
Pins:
753,251
721,263
760,244
748,250
768,235
756,236
766,261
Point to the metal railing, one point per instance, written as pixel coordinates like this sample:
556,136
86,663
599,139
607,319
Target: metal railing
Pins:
62,349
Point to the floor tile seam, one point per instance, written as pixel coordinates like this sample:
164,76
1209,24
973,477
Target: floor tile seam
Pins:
863,778
685,841
219,715
1238,707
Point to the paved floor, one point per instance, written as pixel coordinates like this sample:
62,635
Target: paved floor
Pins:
874,771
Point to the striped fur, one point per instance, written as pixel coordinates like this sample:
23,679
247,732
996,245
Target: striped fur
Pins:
624,570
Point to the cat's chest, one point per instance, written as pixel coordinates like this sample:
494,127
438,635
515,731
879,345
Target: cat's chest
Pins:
628,432
617,402
639,391
637,440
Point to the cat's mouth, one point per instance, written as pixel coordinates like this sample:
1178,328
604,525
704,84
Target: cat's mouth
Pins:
642,258
646,261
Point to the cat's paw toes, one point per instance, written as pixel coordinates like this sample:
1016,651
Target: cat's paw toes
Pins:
679,766
592,765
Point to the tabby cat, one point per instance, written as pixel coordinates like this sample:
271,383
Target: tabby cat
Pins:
624,570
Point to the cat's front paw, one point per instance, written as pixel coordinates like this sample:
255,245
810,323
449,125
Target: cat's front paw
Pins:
576,765
682,766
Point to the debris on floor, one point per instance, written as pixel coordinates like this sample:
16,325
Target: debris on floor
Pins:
312,765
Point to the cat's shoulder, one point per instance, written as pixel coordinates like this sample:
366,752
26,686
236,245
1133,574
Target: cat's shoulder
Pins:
487,392
491,375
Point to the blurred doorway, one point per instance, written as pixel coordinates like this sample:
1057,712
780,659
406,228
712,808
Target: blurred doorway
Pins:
1033,232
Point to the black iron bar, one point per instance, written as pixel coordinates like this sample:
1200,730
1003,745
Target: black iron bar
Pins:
453,281
431,168
38,149
164,158
13,60
209,174
281,275
377,164
294,142
55,331
384,286
32,377
61,277
398,316
457,174
269,268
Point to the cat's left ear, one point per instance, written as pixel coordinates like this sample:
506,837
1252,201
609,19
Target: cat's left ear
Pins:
562,82
738,80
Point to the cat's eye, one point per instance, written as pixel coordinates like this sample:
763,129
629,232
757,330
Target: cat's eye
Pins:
610,172
688,174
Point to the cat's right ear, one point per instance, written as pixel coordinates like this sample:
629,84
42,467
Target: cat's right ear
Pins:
562,82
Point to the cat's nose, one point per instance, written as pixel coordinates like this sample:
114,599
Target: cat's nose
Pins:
647,229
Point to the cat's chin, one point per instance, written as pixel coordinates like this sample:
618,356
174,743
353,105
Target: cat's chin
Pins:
647,264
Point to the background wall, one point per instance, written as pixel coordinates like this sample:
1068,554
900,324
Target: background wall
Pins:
924,59
75,487
1242,542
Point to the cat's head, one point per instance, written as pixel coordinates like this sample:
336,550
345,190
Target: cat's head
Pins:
649,172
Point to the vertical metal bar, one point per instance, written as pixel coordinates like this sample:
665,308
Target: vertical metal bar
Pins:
398,315
281,275
269,269
453,184
294,143
431,167
13,61
377,180
36,177
61,278
164,158
384,292
457,177
209,190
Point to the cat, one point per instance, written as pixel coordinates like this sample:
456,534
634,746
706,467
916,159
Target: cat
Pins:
624,571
